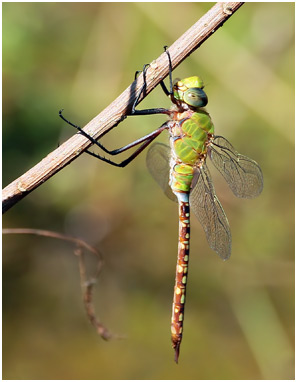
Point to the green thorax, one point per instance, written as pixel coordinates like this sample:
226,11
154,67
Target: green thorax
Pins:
189,138
190,133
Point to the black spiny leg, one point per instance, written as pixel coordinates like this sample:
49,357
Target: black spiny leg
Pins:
146,140
83,132
169,93
159,110
143,89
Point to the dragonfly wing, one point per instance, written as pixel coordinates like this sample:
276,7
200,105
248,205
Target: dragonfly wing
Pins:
157,160
243,175
210,213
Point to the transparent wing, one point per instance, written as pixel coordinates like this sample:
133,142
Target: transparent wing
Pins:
210,213
157,160
243,175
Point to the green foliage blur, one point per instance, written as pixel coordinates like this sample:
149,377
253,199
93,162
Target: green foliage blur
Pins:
239,321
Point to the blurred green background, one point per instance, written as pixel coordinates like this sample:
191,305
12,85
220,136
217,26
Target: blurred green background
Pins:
239,321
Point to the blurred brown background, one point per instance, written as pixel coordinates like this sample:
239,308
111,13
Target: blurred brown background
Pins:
239,321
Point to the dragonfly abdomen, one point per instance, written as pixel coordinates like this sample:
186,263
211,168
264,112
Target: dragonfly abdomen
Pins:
181,274
181,176
189,138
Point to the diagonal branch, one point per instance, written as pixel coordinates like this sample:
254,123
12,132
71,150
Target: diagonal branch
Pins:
119,108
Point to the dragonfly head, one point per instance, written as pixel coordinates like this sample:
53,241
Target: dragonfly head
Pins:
190,90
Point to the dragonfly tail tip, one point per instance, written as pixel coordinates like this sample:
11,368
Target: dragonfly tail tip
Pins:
176,355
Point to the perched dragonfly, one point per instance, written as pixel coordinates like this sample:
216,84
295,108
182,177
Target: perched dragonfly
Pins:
181,170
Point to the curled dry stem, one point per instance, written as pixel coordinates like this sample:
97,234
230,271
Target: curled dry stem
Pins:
87,283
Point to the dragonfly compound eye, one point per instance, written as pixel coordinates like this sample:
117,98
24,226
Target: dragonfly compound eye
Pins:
195,97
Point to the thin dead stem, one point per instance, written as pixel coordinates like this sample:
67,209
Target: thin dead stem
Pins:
87,283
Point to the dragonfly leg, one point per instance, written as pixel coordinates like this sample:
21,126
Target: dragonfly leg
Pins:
158,110
83,132
166,91
146,140
139,71
143,89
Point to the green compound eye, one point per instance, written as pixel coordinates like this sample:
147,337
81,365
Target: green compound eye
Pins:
195,97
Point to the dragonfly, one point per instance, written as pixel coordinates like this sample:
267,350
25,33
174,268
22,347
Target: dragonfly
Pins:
181,170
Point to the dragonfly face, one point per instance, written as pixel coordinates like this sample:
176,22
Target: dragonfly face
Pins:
190,91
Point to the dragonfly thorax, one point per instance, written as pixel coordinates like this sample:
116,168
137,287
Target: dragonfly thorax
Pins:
190,92
190,133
